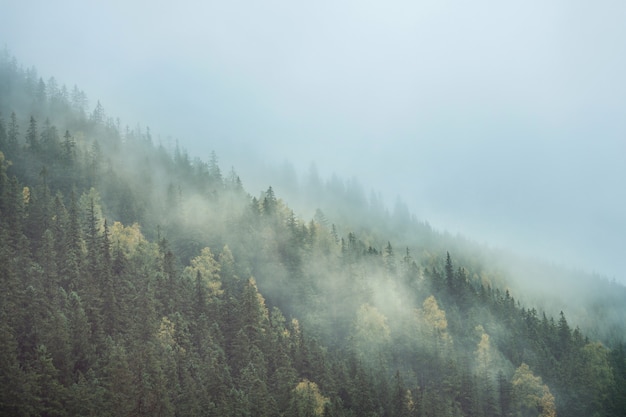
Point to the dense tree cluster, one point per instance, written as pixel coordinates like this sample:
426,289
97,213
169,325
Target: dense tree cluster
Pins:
137,281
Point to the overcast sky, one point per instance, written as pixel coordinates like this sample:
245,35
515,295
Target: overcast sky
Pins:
504,121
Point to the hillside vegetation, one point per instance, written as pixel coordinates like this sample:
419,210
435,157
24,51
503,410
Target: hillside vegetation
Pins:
138,280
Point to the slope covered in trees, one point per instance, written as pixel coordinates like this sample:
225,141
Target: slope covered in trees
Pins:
139,281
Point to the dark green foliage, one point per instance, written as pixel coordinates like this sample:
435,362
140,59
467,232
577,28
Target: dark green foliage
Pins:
3,134
15,395
101,316
32,139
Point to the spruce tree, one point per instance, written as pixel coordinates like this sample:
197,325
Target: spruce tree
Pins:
32,136
12,135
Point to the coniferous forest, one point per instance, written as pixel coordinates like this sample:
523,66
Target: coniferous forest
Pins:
138,280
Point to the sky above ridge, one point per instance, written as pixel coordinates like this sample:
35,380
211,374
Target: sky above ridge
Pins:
503,121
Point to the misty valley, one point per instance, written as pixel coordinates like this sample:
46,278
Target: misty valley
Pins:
140,280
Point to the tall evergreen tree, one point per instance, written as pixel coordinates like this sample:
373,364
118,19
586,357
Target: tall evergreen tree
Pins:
13,135
3,134
450,278
32,136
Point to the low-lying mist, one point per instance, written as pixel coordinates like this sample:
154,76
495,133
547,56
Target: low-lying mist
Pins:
368,288
507,136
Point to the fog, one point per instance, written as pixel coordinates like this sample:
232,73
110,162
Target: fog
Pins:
504,123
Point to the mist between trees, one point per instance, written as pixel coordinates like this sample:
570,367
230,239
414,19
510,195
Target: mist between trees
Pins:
139,280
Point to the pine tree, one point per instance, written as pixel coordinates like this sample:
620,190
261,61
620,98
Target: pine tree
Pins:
41,95
269,202
389,259
32,137
50,143
119,381
505,394
253,313
39,212
110,308
51,395
400,406
13,135
450,278
87,396
3,134
79,102
169,295
98,115
71,254
564,337
215,174
68,149
16,398
83,351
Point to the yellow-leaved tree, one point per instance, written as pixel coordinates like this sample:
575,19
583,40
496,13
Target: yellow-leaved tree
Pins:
433,325
483,353
127,238
531,397
307,400
209,270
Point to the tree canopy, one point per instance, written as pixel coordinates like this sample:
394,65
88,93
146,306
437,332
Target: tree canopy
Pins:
137,281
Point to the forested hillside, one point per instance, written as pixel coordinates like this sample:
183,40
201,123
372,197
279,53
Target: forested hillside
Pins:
139,280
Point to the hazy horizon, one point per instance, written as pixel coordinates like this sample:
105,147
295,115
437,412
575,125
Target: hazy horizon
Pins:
501,122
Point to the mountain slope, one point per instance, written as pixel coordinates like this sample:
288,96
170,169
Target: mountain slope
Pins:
139,281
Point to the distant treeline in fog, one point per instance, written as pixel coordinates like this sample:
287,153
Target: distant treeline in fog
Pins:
139,280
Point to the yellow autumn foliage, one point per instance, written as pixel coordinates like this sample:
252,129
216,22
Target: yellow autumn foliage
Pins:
128,238
530,393
308,393
209,269
434,316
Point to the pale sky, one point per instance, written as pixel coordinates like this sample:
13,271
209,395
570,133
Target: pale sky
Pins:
504,121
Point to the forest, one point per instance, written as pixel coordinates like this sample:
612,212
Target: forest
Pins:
138,280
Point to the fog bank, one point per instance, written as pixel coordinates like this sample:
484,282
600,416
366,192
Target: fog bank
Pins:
501,122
